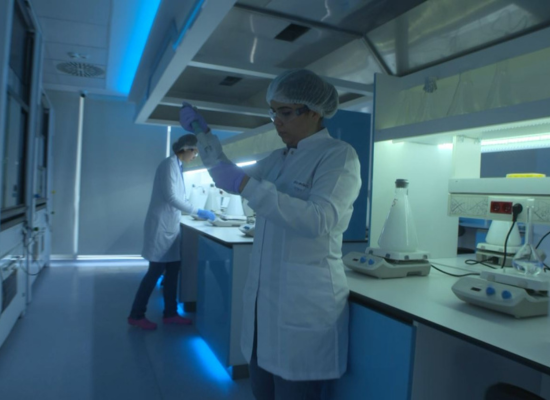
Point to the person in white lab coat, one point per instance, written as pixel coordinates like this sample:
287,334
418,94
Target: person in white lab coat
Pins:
295,319
162,235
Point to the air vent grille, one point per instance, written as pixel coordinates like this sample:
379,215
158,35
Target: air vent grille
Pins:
230,80
81,69
292,32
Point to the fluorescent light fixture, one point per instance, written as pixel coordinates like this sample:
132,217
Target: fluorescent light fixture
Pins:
109,257
196,171
516,143
510,144
244,164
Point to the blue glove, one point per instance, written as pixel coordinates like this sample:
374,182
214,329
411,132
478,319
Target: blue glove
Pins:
188,115
205,214
227,176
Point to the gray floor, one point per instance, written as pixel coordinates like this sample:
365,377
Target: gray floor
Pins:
74,343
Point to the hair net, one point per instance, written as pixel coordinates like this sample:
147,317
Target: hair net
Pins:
301,86
184,141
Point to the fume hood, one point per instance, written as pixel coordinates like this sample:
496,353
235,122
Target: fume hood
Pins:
221,55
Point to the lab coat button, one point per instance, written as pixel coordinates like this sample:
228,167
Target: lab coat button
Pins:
490,291
506,295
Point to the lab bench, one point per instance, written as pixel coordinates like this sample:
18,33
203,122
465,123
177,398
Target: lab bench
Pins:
213,273
410,338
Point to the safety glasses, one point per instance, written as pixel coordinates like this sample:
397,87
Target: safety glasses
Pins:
287,114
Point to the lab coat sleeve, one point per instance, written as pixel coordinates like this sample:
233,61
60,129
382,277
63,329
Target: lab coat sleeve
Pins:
169,181
334,188
256,171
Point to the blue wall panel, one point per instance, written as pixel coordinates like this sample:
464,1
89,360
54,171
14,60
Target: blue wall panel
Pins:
355,129
498,164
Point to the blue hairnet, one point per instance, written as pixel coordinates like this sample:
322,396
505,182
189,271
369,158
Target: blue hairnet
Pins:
189,140
301,86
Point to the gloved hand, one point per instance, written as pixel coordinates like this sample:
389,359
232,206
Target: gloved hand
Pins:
227,176
187,115
205,214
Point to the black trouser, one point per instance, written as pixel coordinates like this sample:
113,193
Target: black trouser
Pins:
171,272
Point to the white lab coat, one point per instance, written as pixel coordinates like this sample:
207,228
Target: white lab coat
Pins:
162,225
303,200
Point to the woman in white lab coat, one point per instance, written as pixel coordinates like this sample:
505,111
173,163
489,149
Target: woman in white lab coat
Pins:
295,320
162,235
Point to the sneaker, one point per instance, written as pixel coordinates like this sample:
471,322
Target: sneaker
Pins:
142,323
177,320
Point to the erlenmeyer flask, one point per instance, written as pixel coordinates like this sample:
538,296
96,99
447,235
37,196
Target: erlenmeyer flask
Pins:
526,260
399,232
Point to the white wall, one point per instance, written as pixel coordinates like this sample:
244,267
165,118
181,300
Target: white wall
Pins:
428,170
119,160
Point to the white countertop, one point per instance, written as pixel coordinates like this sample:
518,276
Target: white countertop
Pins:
430,299
230,236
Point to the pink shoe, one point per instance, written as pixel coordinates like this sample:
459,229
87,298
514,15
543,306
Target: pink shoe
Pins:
143,323
177,320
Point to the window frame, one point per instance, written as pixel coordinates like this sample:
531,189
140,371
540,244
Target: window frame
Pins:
12,215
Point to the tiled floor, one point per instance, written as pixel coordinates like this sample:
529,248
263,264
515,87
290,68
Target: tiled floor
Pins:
74,343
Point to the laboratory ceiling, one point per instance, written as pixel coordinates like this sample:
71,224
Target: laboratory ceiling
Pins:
93,46
220,55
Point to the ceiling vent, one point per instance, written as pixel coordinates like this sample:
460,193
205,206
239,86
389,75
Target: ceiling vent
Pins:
292,32
230,80
80,69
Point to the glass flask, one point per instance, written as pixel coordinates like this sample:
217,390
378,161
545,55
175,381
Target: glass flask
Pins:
399,232
526,260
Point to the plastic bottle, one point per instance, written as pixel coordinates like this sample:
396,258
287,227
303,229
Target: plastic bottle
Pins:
399,232
213,201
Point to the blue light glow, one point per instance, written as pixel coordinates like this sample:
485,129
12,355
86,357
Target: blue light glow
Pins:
140,26
208,361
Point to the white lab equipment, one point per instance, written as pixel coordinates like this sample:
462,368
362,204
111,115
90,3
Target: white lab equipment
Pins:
509,290
398,255
492,250
213,202
235,207
248,229
198,196
233,215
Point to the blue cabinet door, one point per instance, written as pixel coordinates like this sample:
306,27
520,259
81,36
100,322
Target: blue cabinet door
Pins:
380,358
214,276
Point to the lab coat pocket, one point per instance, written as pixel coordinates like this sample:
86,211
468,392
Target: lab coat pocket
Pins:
307,299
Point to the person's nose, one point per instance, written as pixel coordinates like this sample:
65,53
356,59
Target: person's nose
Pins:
277,121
